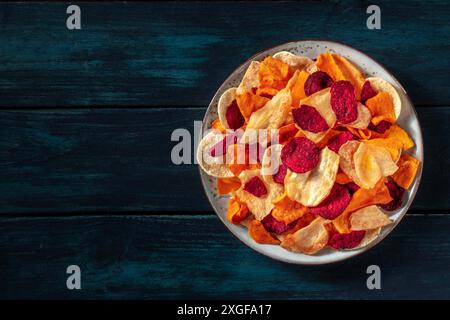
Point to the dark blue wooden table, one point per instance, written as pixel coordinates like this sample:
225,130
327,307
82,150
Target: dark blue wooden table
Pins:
85,172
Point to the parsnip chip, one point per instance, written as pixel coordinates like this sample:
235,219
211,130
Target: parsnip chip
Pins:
369,218
346,162
381,85
250,79
363,119
226,99
308,240
407,171
258,233
321,102
271,161
311,187
259,206
371,164
294,61
214,166
272,115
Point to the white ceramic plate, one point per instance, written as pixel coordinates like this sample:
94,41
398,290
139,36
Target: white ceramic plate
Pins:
407,120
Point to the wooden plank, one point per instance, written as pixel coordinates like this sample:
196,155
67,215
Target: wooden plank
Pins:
64,161
179,53
186,257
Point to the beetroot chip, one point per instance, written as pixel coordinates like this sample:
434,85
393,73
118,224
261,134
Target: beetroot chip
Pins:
396,193
352,187
343,101
221,147
275,226
346,240
334,204
367,92
309,119
281,173
300,155
317,81
381,127
338,140
234,117
256,187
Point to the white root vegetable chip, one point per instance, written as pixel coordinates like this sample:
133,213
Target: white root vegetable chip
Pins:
311,187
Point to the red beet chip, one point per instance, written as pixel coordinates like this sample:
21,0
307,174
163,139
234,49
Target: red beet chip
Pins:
221,147
256,187
281,173
381,127
234,116
309,119
396,193
300,155
255,152
338,140
275,226
367,92
352,187
346,240
343,101
317,81
333,205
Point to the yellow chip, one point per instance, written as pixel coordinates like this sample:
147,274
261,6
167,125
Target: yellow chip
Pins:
214,166
309,239
367,218
296,62
311,187
272,115
371,164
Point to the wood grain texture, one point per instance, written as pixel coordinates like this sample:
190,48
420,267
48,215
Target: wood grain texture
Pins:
178,53
62,161
196,257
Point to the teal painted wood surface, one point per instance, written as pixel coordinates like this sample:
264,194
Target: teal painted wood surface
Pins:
178,53
85,171
186,257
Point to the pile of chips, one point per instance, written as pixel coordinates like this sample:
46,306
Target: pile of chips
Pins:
339,165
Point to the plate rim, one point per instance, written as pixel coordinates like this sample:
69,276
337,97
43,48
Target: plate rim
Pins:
414,188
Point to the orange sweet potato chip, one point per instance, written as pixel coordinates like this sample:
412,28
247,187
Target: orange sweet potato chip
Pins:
258,233
342,178
339,68
249,103
287,132
273,76
227,185
217,125
297,90
237,211
287,210
406,172
360,199
381,107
